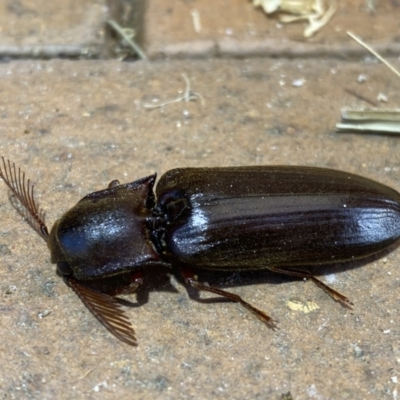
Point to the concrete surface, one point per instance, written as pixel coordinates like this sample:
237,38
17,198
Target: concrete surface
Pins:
234,28
40,28
73,126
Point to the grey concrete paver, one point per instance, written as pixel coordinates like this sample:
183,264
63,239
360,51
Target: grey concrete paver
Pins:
44,29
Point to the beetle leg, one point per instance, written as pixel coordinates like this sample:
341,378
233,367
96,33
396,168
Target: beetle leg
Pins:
191,280
113,184
136,280
107,310
304,274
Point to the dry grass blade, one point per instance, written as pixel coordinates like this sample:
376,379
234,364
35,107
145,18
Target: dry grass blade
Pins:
370,121
134,46
107,310
372,51
22,189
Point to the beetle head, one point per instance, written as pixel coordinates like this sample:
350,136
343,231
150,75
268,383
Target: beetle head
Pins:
106,233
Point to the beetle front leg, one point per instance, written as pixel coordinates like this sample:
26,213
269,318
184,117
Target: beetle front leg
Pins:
306,275
136,280
113,184
191,280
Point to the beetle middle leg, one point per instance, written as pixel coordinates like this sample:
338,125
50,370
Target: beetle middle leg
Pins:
191,280
304,274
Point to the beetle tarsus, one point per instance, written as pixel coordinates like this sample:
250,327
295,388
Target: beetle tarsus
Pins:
343,300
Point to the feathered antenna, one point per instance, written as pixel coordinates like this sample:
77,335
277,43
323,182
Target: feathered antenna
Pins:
22,189
107,310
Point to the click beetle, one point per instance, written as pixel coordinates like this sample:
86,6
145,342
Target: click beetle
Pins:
280,218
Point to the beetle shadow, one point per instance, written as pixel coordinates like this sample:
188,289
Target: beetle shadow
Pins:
120,287
155,280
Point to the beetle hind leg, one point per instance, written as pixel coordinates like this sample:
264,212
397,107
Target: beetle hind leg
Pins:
343,300
191,280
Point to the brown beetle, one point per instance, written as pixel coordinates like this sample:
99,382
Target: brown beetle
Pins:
279,218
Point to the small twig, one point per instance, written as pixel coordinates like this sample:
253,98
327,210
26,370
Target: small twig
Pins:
361,97
131,43
372,51
188,95
196,20
85,374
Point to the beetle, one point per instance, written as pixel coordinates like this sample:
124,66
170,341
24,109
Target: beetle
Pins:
280,218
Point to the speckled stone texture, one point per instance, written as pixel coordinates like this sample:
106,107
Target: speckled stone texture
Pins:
75,126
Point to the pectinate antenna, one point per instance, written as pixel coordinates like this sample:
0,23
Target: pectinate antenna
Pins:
23,191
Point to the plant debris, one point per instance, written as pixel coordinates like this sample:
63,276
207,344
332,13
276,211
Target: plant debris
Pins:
370,120
188,95
317,12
